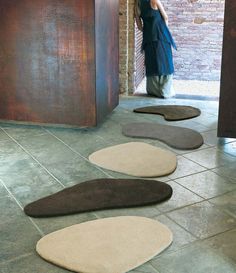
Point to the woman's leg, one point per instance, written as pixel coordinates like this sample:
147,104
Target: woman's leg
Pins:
159,69
160,86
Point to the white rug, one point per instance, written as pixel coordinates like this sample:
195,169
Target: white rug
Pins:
137,159
110,245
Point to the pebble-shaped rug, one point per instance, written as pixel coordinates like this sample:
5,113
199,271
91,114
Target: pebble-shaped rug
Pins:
174,136
100,194
136,159
171,112
110,245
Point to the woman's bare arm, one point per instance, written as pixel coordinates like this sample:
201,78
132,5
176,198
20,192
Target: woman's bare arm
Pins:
158,4
137,16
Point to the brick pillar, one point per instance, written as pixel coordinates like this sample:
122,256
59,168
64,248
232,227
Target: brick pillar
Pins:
123,44
131,48
126,46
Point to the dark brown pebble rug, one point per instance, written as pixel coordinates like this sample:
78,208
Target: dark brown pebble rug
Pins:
174,136
171,112
100,194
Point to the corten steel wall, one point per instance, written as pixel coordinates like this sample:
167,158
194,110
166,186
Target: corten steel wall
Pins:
227,109
107,56
48,53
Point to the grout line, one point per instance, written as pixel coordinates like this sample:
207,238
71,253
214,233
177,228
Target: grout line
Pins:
220,195
79,154
178,177
215,206
224,153
221,175
16,258
218,150
182,207
165,214
152,266
206,168
180,248
21,207
11,195
223,210
195,151
209,130
185,152
35,159
202,201
206,198
220,233
189,189
95,214
4,196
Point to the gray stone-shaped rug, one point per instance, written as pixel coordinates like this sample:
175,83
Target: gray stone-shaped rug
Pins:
171,112
110,245
174,136
100,194
136,159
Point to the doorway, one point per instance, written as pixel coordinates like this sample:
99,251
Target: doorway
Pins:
197,28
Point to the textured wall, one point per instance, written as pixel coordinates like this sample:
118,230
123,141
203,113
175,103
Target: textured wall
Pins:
127,46
58,60
123,45
197,26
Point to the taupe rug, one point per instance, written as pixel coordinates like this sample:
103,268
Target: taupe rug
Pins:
174,136
100,194
137,159
171,112
110,245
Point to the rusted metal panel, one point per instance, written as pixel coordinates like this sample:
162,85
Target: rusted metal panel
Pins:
227,110
107,56
48,58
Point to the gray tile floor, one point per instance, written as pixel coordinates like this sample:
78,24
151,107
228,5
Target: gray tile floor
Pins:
36,161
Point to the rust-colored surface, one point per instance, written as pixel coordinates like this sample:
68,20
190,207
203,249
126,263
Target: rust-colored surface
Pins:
47,61
227,111
107,56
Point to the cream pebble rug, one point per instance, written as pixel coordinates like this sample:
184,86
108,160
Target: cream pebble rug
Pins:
174,136
110,245
137,159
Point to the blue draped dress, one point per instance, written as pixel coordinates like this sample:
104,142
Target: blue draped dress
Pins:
157,46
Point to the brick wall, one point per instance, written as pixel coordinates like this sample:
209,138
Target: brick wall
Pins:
127,46
197,26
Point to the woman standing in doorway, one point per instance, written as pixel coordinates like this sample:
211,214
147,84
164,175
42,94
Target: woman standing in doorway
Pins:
157,44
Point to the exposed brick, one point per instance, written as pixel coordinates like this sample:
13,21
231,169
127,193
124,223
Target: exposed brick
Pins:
197,26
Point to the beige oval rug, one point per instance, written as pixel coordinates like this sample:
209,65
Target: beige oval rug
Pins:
137,159
110,245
